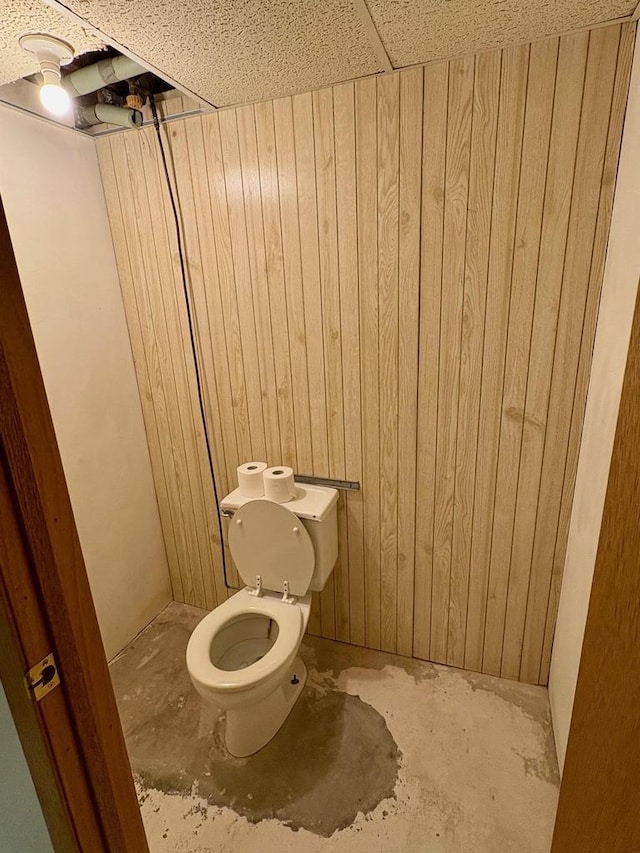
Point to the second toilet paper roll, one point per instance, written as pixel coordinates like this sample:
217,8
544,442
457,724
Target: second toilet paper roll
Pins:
279,485
250,480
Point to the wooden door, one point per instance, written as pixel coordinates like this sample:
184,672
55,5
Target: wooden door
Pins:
72,738
599,807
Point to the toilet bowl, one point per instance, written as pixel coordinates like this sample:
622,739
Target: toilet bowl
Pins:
243,656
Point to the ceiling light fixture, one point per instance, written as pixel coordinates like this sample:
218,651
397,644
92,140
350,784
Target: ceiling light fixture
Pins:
50,52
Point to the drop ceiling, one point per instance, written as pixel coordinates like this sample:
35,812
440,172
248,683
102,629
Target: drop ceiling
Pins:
33,16
415,31
238,51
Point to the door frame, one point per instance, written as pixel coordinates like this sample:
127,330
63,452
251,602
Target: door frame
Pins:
72,737
599,805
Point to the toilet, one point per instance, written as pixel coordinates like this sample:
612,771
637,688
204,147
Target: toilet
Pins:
243,657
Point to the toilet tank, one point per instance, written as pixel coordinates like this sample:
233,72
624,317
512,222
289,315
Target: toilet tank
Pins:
317,508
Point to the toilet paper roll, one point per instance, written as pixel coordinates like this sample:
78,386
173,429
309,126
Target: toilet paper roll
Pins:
279,485
250,480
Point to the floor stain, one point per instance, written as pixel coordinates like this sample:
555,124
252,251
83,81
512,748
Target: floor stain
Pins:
527,697
333,759
540,767
329,656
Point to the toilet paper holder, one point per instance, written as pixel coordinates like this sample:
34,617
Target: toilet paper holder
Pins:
346,485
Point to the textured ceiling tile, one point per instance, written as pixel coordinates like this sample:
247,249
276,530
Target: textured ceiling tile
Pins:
416,31
239,50
32,16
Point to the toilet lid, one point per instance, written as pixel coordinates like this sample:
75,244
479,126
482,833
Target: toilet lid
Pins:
267,539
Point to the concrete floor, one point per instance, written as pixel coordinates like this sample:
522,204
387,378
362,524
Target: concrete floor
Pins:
381,753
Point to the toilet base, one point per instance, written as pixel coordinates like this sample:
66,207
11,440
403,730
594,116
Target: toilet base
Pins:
250,727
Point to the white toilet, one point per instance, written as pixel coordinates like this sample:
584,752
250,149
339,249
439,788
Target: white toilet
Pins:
243,656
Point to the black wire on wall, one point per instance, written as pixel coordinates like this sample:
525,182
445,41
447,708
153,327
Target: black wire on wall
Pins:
194,352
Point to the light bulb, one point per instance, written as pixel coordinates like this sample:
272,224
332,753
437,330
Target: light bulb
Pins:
50,53
55,99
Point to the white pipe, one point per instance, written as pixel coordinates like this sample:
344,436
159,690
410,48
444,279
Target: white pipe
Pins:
110,114
100,74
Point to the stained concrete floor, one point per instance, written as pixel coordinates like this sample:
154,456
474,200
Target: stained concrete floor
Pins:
381,753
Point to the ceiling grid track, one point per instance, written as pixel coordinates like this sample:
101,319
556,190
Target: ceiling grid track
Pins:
372,34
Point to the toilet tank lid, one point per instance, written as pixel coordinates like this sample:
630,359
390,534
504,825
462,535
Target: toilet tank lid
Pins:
312,502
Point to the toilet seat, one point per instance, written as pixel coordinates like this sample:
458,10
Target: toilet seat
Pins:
290,627
269,541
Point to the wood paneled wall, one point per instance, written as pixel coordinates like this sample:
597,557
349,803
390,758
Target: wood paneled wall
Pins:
395,281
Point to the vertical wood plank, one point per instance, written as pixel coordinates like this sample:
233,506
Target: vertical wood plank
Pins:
350,597
434,145
355,540
411,85
275,276
367,205
461,76
304,142
252,196
482,168
310,258
289,217
224,258
222,302
237,303
388,90
330,289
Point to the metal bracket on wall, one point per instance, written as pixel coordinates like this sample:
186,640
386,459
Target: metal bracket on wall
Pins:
347,485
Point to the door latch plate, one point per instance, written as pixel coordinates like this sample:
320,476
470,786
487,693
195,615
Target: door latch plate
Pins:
43,677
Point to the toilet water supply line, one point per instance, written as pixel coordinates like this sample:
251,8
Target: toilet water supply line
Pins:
192,333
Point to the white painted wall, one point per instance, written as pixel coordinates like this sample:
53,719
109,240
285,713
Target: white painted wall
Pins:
22,826
622,271
52,194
